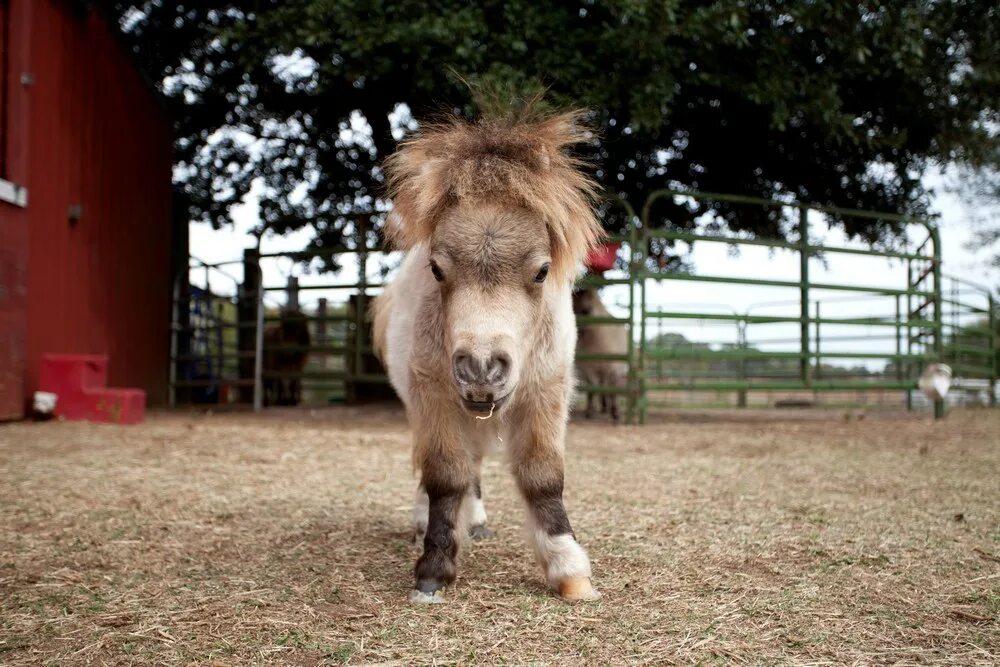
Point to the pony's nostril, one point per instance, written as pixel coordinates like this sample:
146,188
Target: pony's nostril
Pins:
465,368
498,368
482,371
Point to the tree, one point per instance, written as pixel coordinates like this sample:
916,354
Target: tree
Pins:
837,102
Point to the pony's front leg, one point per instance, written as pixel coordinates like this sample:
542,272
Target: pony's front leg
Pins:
446,476
537,461
474,508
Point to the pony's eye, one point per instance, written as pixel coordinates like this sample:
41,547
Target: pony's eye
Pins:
542,274
438,276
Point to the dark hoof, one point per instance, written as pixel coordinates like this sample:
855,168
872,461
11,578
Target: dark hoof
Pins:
416,597
480,532
429,586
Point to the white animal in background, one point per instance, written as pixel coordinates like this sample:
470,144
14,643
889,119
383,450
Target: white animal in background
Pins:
935,381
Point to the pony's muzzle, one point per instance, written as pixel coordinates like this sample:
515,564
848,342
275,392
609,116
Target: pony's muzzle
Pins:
481,378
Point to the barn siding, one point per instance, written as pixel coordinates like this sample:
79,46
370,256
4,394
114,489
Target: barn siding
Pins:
15,20
98,139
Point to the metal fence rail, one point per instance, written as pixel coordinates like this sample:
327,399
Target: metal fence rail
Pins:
969,329
921,333
218,345
338,355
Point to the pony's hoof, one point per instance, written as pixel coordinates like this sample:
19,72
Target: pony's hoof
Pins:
480,532
420,597
576,589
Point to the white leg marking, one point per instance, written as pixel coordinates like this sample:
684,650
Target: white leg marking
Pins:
477,511
561,556
421,508
475,514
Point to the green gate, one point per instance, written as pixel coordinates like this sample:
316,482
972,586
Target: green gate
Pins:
969,331
914,322
631,241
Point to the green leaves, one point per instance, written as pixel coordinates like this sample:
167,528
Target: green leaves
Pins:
759,97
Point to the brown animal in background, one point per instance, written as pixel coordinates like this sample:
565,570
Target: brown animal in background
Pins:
477,331
293,330
600,339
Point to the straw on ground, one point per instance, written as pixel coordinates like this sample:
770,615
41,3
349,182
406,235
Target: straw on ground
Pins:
284,540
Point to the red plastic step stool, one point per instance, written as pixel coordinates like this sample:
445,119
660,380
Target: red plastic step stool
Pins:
79,382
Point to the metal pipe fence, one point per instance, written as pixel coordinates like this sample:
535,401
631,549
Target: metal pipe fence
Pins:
221,348
920,335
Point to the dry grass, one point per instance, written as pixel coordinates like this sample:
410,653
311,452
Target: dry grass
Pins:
282,539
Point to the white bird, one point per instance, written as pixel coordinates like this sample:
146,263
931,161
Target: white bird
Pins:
935,381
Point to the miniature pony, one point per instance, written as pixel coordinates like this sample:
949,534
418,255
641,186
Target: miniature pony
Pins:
477,331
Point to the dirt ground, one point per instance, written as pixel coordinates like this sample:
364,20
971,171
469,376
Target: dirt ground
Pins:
283,539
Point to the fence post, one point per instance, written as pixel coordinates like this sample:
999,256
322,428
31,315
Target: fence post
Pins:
909,332
899,340
247,308
817,372
632,393
659,339
991,321
292,294
741,344
638,228
258,357
938,315
954,354
360,315
322,311
220,345
804,292
174,341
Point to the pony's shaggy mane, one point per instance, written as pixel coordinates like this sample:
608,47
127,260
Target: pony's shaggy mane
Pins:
520,163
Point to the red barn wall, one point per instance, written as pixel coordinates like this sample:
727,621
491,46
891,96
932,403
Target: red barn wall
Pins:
97,139
14,20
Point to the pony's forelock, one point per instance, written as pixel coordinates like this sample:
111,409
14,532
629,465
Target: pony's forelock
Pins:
522,163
